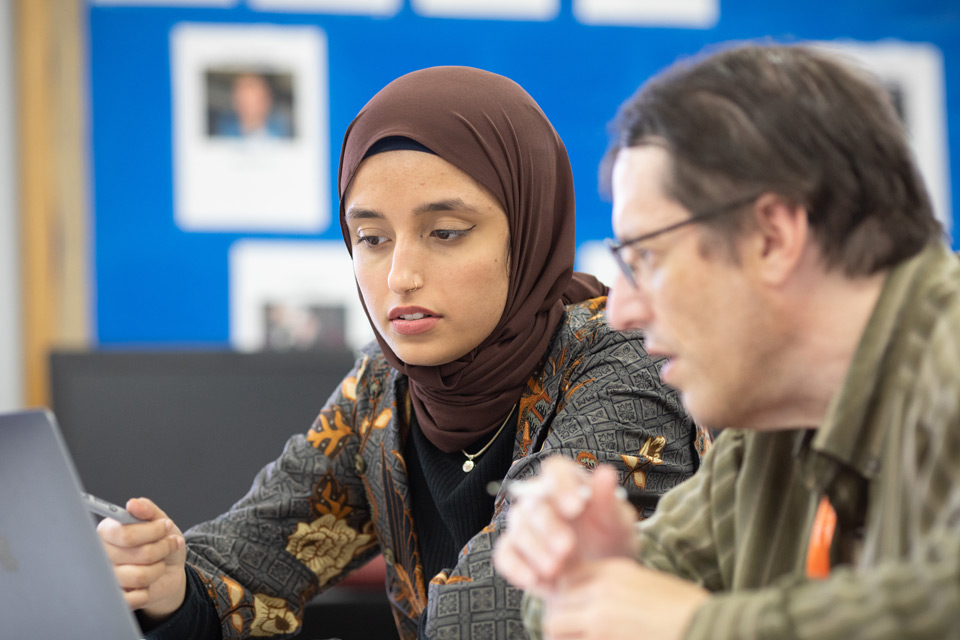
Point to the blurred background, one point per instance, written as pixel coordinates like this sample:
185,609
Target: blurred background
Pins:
172,278
168,168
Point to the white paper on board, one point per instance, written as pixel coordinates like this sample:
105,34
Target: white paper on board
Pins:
539,10
273,179
166,3
380,8
295,274
695,14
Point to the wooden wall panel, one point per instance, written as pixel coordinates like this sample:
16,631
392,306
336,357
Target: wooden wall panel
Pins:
51,123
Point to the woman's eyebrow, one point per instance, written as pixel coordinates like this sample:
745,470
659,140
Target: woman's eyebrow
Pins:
449,204
361,213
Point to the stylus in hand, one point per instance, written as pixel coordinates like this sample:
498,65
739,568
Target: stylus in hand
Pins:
109,510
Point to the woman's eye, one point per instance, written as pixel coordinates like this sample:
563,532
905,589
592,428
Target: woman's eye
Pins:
371,240
451,234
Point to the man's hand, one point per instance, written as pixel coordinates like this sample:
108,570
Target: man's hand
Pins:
619,598
563,517
148,559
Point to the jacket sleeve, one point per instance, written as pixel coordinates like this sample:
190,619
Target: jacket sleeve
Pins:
304,524
598,400
911,592
196,619
917,598
679,538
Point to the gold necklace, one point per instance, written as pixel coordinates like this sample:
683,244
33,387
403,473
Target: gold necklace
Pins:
469,464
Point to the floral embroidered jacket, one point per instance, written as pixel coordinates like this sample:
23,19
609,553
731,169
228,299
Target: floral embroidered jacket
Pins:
338,495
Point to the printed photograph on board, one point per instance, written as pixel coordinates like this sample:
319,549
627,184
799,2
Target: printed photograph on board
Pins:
249,103
250,128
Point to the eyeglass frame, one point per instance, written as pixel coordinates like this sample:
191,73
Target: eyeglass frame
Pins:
616,247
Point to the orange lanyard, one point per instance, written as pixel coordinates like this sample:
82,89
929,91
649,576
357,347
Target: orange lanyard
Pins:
821,537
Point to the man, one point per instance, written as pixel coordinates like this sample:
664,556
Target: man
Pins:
779,250
253,114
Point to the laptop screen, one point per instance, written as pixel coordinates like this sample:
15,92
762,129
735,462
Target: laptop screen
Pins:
55,579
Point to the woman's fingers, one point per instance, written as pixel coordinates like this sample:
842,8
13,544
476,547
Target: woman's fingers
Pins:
148,558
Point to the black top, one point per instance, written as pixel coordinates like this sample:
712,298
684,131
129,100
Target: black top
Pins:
449,505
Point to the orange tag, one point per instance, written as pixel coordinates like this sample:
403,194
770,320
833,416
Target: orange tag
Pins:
821,537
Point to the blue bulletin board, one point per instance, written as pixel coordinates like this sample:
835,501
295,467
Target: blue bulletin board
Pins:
160,282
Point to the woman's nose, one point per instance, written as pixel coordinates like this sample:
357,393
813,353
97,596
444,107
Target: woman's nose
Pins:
405,270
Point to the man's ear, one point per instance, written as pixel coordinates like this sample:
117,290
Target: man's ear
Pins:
778,240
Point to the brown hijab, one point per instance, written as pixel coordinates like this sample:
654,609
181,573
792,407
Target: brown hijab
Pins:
491,129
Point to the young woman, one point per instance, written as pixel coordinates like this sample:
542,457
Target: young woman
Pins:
457,206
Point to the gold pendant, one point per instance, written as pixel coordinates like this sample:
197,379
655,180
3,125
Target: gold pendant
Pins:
468,466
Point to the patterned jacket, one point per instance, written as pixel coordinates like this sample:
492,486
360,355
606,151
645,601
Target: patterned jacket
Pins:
338,495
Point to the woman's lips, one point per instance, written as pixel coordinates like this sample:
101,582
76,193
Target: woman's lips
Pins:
413,327
410,321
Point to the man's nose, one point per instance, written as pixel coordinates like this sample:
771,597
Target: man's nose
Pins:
627,306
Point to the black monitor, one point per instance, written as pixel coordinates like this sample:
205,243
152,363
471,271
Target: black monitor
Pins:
187,429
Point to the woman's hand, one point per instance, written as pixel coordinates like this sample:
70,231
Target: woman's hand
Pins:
561,518
148,559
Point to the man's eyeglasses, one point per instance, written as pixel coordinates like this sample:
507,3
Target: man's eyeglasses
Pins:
631,272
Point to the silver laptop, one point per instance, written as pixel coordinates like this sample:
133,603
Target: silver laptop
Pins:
55,579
